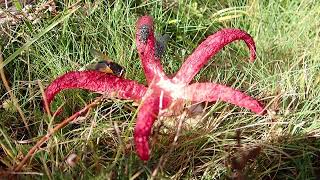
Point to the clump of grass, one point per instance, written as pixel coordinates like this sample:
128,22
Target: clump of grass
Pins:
285,76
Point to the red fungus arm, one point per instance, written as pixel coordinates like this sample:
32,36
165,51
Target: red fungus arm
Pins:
148,112
98,82
209,48
145,41
200,92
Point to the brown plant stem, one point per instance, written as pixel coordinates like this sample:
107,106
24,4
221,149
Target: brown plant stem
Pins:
45,102
12,96
62,124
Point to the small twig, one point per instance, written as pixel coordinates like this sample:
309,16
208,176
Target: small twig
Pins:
58,111
137,174
12,96
7,173
46,105
45,138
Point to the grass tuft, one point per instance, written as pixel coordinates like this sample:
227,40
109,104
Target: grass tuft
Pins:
285,77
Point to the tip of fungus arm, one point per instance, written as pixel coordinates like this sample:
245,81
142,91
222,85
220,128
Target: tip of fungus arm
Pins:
98,82
201,92
208,48
145,42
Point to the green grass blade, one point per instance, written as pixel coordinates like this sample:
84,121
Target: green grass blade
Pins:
37,37
18,5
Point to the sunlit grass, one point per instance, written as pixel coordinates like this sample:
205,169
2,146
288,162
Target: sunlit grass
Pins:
285,77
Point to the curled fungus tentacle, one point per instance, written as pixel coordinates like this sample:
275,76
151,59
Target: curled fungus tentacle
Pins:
208,48
213,92
98,82
147,114
146,42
